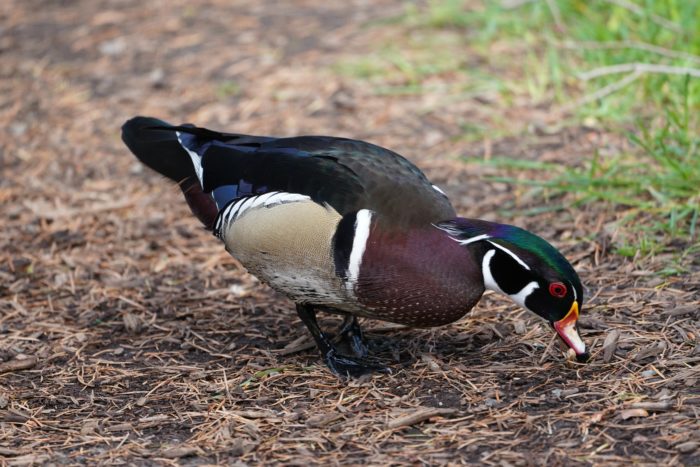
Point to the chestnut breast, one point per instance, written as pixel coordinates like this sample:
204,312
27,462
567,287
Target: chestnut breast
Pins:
417,277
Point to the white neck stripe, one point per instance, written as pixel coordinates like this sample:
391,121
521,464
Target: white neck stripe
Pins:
513,255
363,222
489,281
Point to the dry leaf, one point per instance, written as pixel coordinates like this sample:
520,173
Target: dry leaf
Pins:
610,345
687,447
653,406
180,451
633,413
132,323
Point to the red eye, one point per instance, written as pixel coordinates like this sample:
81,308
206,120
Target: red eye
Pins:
557,289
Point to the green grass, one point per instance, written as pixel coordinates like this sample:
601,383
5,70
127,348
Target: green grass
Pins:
558,53
656,186
550,43
657,183
228,89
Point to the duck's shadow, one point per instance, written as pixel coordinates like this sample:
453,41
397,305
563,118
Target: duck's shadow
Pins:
404,347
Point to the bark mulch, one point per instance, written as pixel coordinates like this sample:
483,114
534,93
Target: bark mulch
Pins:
128,335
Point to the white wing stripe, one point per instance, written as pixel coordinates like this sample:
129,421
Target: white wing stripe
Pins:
196,160
437,188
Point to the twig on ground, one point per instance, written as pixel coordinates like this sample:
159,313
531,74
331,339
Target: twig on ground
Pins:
606,90
547,349
653,406
297,345
639,68
17,365
510,4
418,417
636,9
556,14
637,45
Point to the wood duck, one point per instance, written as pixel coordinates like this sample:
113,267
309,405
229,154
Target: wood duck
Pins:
347,227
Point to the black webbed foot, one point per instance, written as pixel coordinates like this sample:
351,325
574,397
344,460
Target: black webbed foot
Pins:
351,334
345,366
340,365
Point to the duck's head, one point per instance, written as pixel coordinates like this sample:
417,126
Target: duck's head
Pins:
526,268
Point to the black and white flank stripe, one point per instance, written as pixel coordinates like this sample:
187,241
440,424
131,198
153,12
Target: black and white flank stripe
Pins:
237,207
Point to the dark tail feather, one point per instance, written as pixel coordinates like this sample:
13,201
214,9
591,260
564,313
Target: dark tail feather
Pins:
159,149
204,133
155,144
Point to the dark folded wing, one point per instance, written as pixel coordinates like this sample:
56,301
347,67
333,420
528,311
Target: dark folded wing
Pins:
346,174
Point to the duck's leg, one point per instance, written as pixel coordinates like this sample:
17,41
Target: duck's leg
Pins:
351,333
341,365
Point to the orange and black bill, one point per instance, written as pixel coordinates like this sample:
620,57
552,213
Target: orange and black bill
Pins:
566,328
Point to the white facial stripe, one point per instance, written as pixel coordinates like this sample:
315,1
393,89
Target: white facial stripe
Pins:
454,233
450,230
490,282
574,290
196,160
471,240
363,222
513,255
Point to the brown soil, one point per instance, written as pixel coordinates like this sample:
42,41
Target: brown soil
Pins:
129,336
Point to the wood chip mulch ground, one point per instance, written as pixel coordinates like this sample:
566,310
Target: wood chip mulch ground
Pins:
129,336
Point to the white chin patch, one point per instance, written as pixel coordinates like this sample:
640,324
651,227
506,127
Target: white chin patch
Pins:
490,282
520,297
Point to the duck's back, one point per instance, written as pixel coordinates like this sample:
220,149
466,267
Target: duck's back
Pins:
292,210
